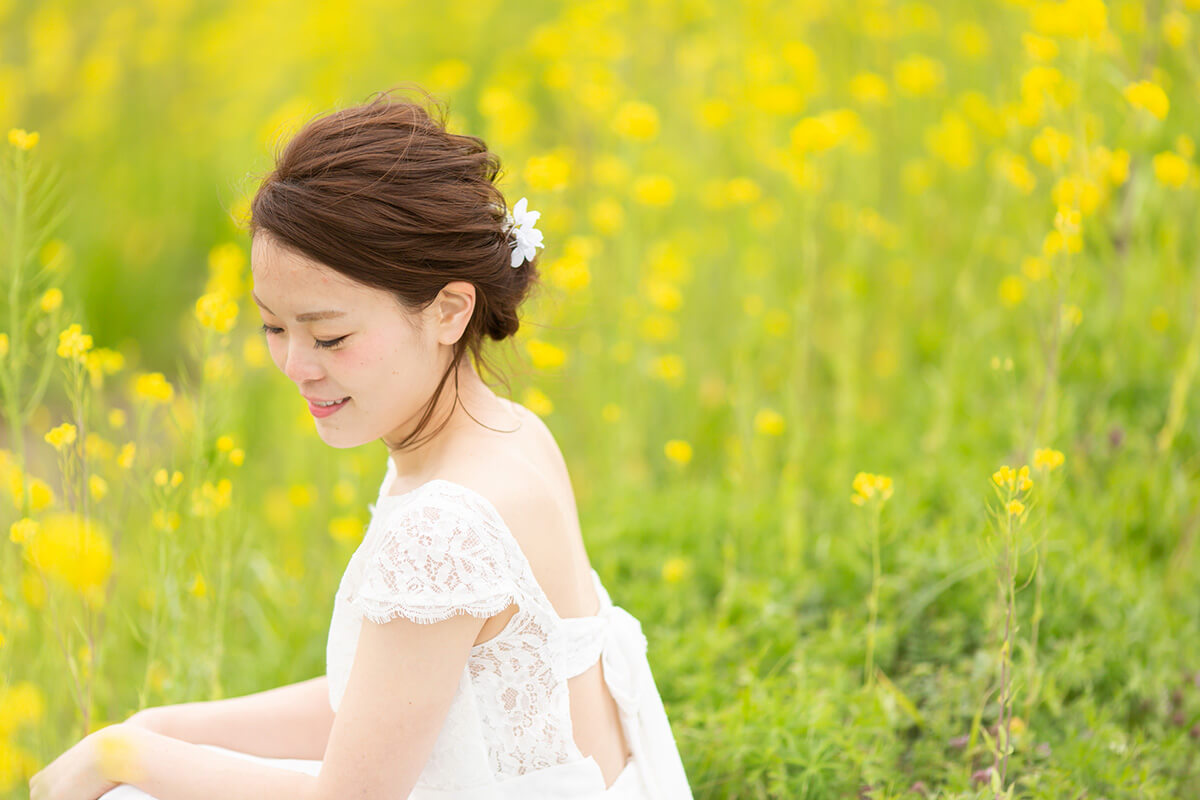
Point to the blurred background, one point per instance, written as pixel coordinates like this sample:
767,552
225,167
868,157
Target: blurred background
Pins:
820,278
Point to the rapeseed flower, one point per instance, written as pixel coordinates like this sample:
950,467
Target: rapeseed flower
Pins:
678,451
545,355
23,530
61,436
654,190
675,569
74,550
3,345
153,388
1048,459
549,172
868,486
1149,97
51,300
919,75
22,139
769,421
217,311
98,487
1171,170
1015,507
636,120
536,401
1007,478
73,343
125,457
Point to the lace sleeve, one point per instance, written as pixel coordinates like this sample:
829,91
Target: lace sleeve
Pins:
430,561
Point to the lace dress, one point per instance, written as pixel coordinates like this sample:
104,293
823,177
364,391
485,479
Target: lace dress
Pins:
441,549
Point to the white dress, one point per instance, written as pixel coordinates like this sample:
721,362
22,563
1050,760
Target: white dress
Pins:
442,549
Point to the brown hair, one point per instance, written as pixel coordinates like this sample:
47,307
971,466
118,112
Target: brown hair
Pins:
384,194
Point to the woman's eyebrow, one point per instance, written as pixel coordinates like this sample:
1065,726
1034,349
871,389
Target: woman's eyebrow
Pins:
308,316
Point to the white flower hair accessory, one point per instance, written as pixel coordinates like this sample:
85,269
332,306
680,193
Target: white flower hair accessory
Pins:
526,238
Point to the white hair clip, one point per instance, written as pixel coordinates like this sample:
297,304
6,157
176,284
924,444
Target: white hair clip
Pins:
526,238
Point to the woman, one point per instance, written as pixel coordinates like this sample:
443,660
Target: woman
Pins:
473,652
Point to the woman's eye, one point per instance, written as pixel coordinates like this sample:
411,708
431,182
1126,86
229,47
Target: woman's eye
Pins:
320,344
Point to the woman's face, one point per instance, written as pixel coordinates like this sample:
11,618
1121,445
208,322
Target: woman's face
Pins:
339,340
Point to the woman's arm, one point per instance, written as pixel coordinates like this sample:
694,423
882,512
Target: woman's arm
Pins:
291,721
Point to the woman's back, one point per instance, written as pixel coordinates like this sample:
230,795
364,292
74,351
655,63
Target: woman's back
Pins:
522,471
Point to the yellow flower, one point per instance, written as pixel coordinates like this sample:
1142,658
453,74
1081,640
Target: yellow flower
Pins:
102,361
1071,314
3,345
165,520
678,451
867,485
869,88
216,310
1051,146
1039,48
1012,290
51,300
224,443
919,75
98,487
76,551
23,530
536,401
636,120
1148,96
125,457
211,499
549,172
545,355
61,436
199,587
346,529
153,388
769,421
1072,19
1176,28
21,139
668,368
675,569
1015,507
236,456
654,190
73,343
1048,459
951,141
1171,170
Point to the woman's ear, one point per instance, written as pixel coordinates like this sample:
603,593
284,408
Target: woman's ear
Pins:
454,305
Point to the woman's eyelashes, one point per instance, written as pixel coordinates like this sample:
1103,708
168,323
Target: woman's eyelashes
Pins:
320,344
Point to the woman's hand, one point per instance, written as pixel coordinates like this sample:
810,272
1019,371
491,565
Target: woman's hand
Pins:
86,771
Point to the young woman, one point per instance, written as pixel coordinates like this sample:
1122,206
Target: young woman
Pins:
473,652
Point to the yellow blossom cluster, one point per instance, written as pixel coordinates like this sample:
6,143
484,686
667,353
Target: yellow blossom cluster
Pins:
217,311
153,388
73,549
1045,458
73,343
678,451
22,139
867,486
61,436
210,499
1149,97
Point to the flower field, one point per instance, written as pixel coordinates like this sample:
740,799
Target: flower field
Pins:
869,331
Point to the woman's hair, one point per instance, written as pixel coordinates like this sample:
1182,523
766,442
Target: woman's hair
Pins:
385,195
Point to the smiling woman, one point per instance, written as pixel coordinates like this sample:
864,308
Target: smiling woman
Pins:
473,652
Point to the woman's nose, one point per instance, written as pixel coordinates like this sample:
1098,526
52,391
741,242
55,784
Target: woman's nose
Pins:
301,363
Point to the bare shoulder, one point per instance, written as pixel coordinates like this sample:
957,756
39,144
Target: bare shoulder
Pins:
524,477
